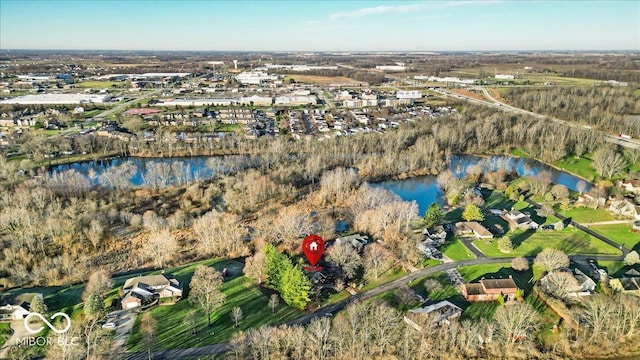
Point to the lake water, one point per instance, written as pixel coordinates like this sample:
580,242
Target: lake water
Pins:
423,189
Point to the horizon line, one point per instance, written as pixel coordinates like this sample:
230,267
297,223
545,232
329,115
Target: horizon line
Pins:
327,51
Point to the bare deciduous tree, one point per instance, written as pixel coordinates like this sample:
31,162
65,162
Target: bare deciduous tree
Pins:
608,162
516,322
161,247
377,259
274,300
632,258
148,325
344,257
551,259
560,284
256,266
205,289
520,263
236,315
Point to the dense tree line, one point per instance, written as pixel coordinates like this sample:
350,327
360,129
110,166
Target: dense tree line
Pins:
601,106
375,330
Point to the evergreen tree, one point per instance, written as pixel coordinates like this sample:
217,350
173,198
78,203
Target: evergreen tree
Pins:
434,215
94,305
472,213
38,305
295,287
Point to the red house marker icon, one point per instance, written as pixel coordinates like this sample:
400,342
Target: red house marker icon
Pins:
313,247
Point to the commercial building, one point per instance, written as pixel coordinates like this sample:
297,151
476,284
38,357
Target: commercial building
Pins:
255,77
57,99
505,77
391,67
409,94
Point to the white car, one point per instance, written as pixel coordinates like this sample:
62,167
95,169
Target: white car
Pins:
109,325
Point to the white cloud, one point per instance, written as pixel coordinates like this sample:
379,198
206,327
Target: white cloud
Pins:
407,8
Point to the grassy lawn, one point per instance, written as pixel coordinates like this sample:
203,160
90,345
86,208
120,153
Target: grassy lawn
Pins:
228,127
587,215
520,153
456,250
620,233
529,243
390,275
5,332
172,332
98,84
581,166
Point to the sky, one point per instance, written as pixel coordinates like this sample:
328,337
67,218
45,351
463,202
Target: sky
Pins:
317,25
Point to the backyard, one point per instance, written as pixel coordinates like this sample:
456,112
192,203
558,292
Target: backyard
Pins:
529,243
173,333
455,250
620,233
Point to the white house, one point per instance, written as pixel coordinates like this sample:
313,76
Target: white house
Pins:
16,307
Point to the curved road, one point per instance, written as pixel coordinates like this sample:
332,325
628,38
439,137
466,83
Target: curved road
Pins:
334,308
598,236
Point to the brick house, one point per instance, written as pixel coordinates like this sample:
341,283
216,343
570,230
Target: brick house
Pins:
490,290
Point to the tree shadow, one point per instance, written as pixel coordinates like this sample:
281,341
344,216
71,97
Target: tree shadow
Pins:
576,243
520,237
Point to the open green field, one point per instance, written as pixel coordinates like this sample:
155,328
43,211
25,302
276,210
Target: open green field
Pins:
620,233
173,333
228,127
98,84
5,332
584,215
529,243
456,250
579,166
320,80
68,299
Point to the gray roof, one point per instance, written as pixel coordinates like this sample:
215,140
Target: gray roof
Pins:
150,281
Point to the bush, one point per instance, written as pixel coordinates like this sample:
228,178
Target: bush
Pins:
505,245
432,285
520,264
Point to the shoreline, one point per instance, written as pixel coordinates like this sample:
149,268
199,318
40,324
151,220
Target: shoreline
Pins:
399,176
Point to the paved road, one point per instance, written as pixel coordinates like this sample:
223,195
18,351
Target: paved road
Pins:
579,226
125,319
610,138
612,222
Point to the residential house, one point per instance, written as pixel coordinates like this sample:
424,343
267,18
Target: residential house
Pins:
590,199
585,285
437,235
356,240
518,220
16,307
624,208
629,283
144,290
472,229
490,290
439,313
632,186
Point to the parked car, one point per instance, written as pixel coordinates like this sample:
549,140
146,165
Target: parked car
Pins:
109,325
